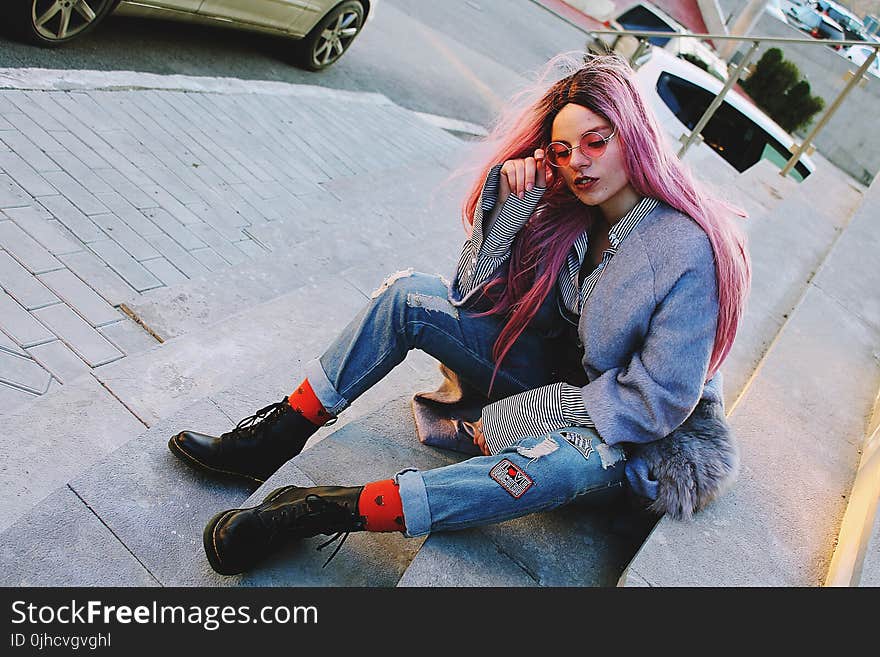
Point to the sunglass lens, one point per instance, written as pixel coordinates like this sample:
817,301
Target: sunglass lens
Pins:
593,144
558,154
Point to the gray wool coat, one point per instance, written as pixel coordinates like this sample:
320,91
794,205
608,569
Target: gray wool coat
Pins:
647,332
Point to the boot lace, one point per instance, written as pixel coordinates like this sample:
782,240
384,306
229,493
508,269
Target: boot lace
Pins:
335,515
321,513
263,416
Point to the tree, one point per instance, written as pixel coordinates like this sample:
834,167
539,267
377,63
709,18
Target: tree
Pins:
777,88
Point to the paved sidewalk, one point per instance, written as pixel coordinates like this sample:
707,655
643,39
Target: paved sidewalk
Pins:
109,192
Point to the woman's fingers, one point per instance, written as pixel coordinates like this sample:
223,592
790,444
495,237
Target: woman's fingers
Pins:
540,168
520,187
529,170
523,175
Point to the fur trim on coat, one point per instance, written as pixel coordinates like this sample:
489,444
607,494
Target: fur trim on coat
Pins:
694,464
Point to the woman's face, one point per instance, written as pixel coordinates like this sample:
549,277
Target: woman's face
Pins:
600,181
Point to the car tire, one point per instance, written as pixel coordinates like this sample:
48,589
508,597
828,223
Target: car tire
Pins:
331,37
42,22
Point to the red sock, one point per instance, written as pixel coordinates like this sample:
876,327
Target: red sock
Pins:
304,401
380,504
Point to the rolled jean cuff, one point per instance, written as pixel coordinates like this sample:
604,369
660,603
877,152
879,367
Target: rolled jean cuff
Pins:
414,499
332,401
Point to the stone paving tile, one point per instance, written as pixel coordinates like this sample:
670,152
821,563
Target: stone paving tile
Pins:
221,218
192,137
9,345
215,240
81,197
179,257
10,398
23,373
210,259
34,132
187,173
57,357
165,271
125,189
165,200
83,152
129,269
23,174
173,228
26,249
75,221
172,183
83,174
50,233
128,239
249,214
35,111
20,325
21,284
244,195
142,485
32,552
99,276
31,154
80,297
11,194
252,249
77,425
128,336
88,344
122,207
103,110
463,558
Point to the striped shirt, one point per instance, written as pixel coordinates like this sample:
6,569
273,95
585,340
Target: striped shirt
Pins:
557,405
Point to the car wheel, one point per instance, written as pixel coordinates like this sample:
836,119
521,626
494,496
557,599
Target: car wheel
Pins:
54,22
331,37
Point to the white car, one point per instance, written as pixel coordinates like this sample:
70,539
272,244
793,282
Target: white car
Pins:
645,17
739,131
858,55
324,28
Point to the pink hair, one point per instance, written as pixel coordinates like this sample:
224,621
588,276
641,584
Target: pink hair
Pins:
603,84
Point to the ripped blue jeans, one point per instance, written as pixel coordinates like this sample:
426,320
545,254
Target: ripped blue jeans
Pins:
412,311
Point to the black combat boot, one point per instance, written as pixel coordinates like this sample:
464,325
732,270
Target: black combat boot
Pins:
257,447
238,539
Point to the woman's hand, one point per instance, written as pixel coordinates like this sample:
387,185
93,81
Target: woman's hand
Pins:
521,176
479,438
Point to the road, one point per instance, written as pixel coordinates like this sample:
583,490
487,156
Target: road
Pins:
457,58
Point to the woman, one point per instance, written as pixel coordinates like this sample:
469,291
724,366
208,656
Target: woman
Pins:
596,297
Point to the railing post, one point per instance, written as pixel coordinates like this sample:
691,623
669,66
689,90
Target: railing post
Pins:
716,102
799,150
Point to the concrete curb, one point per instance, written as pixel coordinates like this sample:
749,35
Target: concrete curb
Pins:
44,79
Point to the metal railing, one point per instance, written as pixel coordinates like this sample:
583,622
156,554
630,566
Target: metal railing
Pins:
733,77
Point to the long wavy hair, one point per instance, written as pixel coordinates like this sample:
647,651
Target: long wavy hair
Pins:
604,84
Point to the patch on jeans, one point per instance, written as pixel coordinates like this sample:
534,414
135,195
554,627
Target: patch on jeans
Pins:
583,444
511,477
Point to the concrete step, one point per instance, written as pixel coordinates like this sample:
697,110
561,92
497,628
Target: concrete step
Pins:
801,424
869,573
365,238
787,247
95,414
140,507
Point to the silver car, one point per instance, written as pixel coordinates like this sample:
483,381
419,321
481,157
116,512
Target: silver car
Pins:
324,28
